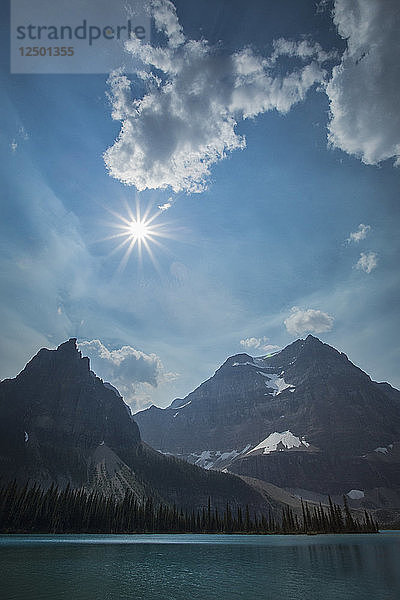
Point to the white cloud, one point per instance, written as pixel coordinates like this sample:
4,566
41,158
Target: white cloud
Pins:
365,87
165,206
196,95
166,20
360,233
253,342
367,261
134,373
270,348
13,145
300,49
258,344
308,321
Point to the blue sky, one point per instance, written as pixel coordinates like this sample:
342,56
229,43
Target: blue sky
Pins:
271,154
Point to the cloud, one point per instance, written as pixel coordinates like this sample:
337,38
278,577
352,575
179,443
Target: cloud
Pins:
258,344
166,20
45,265
270,348
299,49
129,370
253,342
367,262
166,205
360,233
195,97
135,374
308,321
365,86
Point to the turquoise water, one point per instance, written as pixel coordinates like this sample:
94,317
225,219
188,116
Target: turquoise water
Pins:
200,567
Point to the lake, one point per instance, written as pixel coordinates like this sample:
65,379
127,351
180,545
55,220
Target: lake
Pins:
200,567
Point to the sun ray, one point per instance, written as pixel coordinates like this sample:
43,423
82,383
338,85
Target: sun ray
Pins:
137,231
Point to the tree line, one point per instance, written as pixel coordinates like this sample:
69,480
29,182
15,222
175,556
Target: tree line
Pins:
32,509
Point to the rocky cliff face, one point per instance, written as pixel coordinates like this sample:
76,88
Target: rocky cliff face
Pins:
53,416
305,417
61,424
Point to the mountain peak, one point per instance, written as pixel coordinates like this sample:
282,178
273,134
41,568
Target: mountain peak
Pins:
241,357
69,351
236,359
59,424
312,338
66,412
345,426
69,345
66,357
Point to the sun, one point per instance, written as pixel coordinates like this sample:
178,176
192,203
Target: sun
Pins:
137,232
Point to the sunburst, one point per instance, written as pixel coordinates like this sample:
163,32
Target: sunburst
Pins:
137,232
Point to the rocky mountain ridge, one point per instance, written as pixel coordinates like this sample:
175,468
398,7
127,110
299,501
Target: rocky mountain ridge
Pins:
305,418
61,424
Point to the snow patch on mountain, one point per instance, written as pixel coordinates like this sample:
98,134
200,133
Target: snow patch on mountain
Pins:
178,408
355,494
277,383
204,459
383,449
183,405
285,440
260,360
216,459
238,364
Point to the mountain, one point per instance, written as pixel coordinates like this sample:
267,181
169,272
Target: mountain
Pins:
61,424
305,419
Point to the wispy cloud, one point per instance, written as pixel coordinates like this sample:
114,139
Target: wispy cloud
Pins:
365,87
48,274
261,343
367,262
270,348
22,135
360,234
164,207
308,321
196,95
